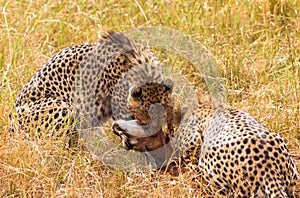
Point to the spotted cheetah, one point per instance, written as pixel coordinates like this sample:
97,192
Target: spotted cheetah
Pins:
235,154
83,86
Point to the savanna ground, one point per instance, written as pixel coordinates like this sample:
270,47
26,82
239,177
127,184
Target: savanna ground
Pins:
256,45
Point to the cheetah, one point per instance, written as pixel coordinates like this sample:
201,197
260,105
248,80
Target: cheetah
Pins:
230,150
84,85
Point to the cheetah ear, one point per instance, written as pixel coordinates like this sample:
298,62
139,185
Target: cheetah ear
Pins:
136,92
168,83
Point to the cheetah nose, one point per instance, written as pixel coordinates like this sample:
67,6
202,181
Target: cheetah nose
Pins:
131,127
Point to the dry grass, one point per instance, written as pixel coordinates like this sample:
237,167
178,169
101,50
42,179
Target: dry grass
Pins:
255,43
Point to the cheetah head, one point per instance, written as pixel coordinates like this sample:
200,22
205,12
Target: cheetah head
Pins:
151,105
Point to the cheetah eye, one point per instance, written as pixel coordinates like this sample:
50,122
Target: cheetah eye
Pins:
136,92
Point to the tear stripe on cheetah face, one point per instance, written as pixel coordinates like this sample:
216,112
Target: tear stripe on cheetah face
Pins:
78,84
234,153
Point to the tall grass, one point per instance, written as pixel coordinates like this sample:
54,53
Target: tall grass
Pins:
256,45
